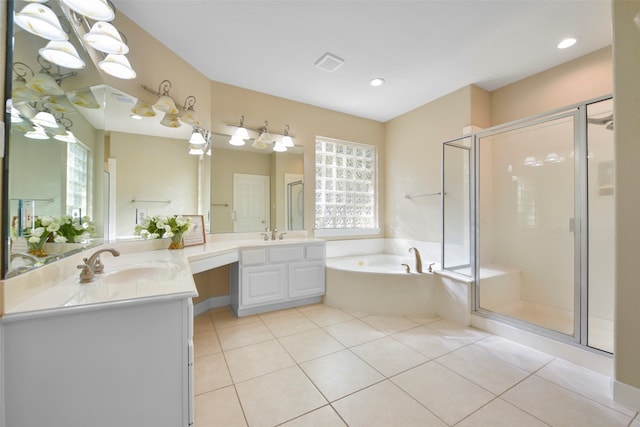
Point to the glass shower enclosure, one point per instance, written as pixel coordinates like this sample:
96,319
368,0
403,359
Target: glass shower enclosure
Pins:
528,215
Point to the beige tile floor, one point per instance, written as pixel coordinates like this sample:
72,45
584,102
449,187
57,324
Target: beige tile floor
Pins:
318,366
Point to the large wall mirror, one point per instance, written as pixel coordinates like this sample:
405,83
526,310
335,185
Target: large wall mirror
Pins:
100,169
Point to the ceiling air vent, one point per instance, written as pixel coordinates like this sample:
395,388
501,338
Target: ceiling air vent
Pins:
329,62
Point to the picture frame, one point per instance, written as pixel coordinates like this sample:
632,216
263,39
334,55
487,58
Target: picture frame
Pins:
196,236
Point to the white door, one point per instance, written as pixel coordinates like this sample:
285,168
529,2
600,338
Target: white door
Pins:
250,202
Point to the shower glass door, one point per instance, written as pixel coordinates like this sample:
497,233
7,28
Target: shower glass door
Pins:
528,245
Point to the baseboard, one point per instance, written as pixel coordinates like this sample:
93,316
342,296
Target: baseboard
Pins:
209,303
626,395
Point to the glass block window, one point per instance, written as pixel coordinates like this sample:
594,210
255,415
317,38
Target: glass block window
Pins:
346,175
78,180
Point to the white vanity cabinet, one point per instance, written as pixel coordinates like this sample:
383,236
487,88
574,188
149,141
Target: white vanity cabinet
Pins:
114,365
272,277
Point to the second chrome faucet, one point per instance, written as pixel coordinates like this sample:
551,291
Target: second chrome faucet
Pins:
418,259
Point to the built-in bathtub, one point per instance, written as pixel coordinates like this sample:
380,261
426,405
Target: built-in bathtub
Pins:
379,284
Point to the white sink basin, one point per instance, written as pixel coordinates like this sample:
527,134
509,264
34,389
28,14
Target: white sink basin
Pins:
139,274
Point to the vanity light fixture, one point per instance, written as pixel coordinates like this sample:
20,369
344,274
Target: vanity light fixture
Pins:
37,133
45,82
170,120
117,66
287,141
19,89
41,21
97,10
84,98
66,135
165,103
62,53
261,142
241,132
105,37
196,150
279,147
143,109
198,136
45,119
189,116
568,42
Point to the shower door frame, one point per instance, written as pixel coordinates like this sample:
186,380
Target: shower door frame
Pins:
581,227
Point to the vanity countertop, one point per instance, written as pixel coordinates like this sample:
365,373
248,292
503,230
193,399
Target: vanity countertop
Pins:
137,275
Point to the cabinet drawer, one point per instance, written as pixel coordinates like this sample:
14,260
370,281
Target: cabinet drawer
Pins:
253,256
286,253
315,252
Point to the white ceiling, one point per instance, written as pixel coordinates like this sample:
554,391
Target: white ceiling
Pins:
424,49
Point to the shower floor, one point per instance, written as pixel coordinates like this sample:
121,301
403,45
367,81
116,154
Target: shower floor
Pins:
600,330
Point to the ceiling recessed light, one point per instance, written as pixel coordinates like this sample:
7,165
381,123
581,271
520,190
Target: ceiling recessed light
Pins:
376,82
568,42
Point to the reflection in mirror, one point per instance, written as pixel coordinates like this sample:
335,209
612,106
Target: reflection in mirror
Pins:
250,188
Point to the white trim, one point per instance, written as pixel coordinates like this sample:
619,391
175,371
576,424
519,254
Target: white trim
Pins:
626,395
346,232
209,303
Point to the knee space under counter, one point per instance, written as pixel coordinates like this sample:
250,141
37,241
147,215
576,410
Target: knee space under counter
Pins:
212,283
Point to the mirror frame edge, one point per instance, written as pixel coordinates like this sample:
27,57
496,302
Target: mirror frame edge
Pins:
4,250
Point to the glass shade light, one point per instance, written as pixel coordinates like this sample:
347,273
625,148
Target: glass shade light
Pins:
21,92
15,115
241,133
37,133
166,105
170,120
260,143
190,118
97,10
38,19
197,139
117,66
196,150
238,142
59,104
45,119
105,38
67,136
287,141
44,84
279,147
84,98
143,109
62,53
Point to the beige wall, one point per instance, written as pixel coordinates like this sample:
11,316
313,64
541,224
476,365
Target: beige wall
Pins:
413,160
626,44
228,103
584,78
212,283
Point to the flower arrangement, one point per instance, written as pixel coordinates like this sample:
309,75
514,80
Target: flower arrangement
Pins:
73,230
159,226
42,231
55,229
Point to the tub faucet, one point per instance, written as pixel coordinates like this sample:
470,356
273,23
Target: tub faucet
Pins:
418,259
93,265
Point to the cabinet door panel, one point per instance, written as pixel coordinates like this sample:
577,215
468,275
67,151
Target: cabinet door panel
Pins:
306,279
263,284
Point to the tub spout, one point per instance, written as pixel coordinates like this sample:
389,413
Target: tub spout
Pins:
407,268
418,259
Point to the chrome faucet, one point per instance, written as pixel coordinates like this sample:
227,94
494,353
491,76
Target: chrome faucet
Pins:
407,269
274,233
418,259
34,260
93,265
281,236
